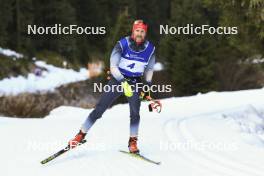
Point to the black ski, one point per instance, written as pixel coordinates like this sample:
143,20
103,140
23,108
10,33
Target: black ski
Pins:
59,153
139,156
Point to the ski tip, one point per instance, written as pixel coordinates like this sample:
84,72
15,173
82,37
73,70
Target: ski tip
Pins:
47,160
59,153
158,163
43,162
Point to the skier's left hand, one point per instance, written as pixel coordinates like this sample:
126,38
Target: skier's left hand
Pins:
155,105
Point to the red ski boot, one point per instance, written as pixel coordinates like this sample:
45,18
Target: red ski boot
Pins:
132,145
77,139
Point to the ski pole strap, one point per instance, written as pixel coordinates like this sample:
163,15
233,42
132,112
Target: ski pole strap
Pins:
155,105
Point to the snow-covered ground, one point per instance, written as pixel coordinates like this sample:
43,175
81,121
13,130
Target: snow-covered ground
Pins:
50,78
11,53
213,134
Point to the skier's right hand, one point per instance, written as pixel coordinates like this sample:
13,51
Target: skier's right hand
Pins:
127,89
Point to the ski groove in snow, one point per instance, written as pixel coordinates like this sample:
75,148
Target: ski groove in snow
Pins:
221,163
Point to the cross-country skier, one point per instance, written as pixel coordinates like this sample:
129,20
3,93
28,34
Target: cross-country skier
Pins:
132,58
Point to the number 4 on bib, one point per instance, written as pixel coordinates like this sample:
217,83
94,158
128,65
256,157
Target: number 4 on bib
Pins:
131,66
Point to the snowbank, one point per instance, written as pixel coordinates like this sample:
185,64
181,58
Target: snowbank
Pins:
49,79
11,53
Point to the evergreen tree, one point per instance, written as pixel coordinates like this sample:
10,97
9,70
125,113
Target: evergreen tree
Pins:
49,13
188,57
122,28
6,19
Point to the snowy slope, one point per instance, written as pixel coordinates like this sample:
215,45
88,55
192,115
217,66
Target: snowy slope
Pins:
214,134
8,52
50,79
